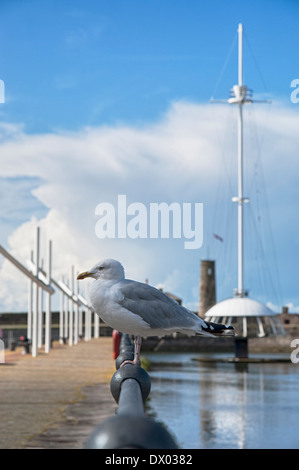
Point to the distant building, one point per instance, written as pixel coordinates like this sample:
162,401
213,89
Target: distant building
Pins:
290,321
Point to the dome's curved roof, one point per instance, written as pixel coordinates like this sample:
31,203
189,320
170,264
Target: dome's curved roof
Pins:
239,307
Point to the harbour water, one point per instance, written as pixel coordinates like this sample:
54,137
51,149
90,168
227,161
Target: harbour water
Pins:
215,405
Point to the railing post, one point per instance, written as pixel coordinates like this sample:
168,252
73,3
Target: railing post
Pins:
48,325
36,303
30,301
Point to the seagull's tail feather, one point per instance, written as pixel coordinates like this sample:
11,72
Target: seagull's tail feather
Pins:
217,329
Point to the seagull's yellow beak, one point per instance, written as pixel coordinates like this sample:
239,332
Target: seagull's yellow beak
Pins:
84,275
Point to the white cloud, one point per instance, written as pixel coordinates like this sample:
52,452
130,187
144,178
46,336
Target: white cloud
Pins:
292,308
176,159
277,308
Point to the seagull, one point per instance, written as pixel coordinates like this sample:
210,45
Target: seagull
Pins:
141,310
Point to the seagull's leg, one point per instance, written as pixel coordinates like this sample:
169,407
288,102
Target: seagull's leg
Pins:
137,347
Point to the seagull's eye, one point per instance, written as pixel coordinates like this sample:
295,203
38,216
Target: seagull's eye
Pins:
100,268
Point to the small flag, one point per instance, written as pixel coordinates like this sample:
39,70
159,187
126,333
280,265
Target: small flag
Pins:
218,237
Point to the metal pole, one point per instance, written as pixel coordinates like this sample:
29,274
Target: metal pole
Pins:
71,310
66,312
30,299
76,335
40,317
61,318
130,399
48,308
35,310
240,202
240,58
89,324
69,319
86,317
26,271
76,328
86,323
80,322
40,312
96,325
240,166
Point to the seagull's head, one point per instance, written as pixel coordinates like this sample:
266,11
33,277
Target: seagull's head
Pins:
106,270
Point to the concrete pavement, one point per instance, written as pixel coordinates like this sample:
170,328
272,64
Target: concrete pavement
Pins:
55,400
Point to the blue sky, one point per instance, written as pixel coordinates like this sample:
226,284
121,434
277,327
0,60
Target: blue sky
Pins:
102,98
70,64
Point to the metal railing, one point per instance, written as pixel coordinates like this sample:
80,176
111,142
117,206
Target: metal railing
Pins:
130,428
72,303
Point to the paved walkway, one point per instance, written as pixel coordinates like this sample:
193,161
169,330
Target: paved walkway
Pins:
55,400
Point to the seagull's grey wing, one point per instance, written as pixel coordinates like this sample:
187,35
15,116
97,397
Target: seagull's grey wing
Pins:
154,307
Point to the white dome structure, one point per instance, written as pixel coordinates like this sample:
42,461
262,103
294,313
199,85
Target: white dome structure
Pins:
249,317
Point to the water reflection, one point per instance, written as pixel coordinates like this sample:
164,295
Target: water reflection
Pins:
218,405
